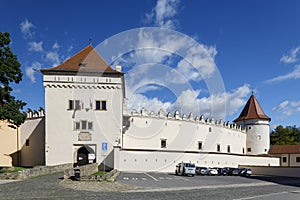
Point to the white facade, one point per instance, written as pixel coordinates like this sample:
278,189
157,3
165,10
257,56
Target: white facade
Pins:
63,139
258,136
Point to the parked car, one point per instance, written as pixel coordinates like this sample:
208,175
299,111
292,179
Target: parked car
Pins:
202,171
245,172
236,171
222,171
213,171
185,169
230,170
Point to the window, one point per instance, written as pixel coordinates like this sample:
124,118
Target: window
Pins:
100,105
74,104
297,159
76,125
218,147
249,127
249,149
83,125
163,143
243,150
228,148
283,159
200,146
90,125
209,129
27,142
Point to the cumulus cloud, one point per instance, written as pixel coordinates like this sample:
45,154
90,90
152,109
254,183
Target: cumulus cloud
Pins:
290,57
164,13
35,46
55,46
189,101
30,71
287,108
27,28
291,75
53,58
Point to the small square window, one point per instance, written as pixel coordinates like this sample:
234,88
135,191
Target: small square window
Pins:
297,159
83,125
218,148
71,105
100,105
249,149
90,125
163,143
284,159
200,146
76,125
27,142
77,105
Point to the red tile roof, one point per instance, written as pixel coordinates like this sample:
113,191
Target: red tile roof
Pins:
86,61
284,149
252,110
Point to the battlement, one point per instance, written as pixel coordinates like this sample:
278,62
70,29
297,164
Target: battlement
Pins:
31,114
191,118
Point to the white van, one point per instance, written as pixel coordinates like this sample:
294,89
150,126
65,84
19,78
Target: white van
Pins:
185,169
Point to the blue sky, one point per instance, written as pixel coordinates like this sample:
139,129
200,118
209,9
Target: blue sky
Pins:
253,45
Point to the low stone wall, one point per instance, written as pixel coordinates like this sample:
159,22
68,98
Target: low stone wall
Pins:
85,170
36,171
275,171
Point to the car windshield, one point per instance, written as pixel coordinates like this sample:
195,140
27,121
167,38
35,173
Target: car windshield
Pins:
190,165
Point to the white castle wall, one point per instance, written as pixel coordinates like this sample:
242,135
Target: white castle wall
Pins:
62,141
182,134
159,161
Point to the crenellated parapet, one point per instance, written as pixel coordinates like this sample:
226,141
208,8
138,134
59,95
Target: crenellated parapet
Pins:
191,118
31,114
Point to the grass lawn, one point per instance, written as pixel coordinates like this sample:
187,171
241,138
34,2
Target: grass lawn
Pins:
99,173
11,169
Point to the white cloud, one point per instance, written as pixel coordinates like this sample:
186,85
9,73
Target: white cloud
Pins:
55,46
53,58
189,101
70,48
292,75
291,57
27,28
287,108
35,46
163,15
30,71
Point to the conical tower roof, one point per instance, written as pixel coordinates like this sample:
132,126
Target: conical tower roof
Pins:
252,110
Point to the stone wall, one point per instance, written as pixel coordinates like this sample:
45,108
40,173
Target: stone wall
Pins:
36,171
85,170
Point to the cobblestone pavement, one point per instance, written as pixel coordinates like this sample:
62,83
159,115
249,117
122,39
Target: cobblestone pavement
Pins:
53,187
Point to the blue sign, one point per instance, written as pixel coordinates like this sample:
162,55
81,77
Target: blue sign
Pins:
104,146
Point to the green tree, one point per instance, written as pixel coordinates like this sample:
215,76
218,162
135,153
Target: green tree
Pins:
10,72
287,135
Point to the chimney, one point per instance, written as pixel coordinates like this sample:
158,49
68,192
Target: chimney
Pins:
118,68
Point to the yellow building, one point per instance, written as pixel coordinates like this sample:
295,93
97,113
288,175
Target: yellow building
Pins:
289,154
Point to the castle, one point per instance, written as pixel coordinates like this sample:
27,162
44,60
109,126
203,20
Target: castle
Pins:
87,121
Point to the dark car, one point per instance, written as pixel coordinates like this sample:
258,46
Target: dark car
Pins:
236,171
222,171
202,171
229,170
245,172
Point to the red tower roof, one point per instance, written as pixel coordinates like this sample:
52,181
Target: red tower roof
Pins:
86,61
252,110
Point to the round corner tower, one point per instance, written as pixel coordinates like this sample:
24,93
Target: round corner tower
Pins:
256,123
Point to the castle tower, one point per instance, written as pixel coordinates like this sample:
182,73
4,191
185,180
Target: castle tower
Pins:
84,108
256,123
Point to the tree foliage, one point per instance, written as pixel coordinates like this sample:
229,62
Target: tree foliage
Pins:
287,135
10,72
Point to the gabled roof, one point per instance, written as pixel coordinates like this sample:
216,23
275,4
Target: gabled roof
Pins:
252,110
284,149
86,61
